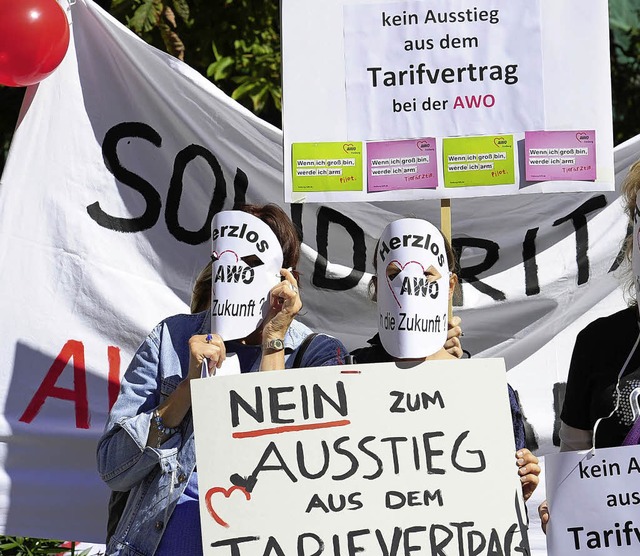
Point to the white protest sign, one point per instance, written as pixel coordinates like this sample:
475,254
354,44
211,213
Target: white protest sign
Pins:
406,99
593,501
246,261
412,288
346,459
454,56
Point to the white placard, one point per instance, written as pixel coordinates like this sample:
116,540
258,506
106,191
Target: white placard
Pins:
372,80
593,502
359,459
403,58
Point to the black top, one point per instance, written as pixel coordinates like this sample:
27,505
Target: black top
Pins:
600,350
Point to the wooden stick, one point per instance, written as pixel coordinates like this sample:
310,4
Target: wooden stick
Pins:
445,228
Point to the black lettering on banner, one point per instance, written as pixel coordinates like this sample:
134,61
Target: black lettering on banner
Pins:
325,217
532,286
240,186
579,219
470,274
152,198
174,195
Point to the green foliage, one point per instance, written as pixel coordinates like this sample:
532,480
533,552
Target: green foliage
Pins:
236,43
155,21
253,67
624,19
29,546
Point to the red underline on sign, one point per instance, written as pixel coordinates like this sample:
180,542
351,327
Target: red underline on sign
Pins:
291,428
350,372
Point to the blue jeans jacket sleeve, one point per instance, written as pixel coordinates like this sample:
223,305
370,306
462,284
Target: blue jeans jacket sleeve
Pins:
124,459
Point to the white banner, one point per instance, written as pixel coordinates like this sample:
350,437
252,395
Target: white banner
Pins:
593,501
359,459
120,160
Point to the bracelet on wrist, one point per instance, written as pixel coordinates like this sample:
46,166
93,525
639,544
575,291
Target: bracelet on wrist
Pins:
162,429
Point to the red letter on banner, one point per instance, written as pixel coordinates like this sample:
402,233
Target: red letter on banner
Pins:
72,349
113,355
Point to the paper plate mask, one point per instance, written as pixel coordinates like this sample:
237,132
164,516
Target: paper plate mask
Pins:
413,288
246,261
635,254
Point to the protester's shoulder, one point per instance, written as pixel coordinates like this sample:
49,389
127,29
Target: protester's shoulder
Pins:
622,322
324,349
365,354
182,325
372,353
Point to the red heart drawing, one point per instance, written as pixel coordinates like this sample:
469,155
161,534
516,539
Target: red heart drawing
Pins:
215,256
227,493
423,145
582,135
401,267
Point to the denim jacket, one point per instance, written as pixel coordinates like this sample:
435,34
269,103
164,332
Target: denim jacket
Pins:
156,477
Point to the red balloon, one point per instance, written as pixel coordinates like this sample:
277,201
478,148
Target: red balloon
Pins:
34,37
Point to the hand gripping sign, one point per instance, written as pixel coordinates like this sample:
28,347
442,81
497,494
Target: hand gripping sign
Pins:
413,287
246,261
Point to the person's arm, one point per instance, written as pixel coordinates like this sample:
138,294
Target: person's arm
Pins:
128,450
284,305
122,457
573,439
170,413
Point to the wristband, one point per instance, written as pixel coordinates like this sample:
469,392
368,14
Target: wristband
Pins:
162,429
275,345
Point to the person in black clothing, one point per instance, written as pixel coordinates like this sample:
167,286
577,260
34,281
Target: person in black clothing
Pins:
596,375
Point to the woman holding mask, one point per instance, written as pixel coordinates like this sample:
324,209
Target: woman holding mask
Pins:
412,253
148,445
